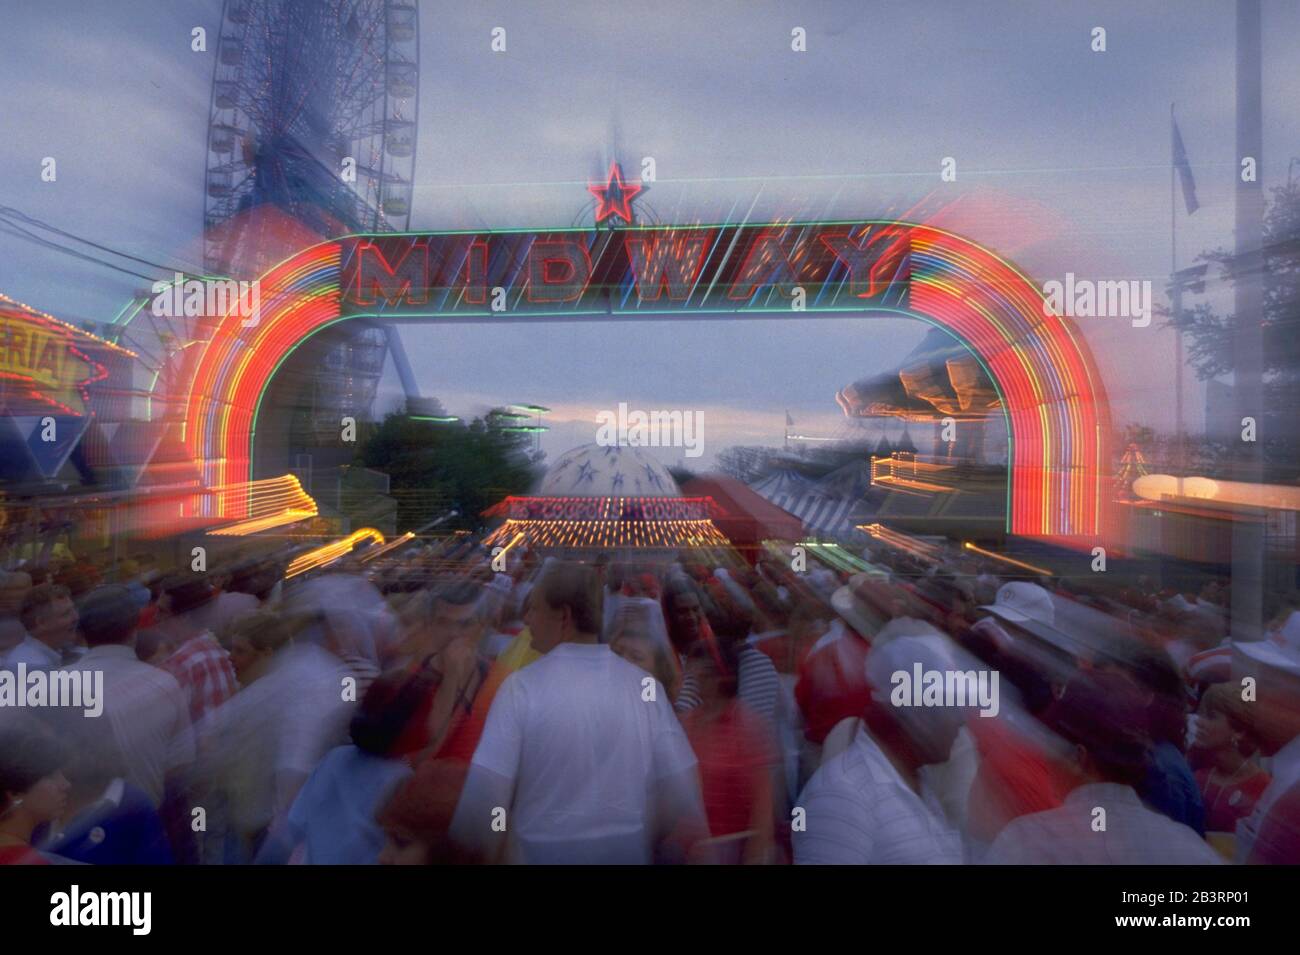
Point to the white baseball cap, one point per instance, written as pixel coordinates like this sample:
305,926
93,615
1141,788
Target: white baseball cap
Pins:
1023,602
1250,656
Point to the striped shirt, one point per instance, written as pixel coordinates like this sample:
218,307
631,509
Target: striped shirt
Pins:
759,686
1067,835
859,811
203,669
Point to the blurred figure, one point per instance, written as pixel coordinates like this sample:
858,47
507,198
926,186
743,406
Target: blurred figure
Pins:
1169,786
464,736
499,611
759,686
250,587
33,789
127,573
447,649
637,634
350,618
416,819
1024,768
1018,604
789,648
146,716
199,663
107,820
254,641
586,768
1102,821
260,746
333,818
832,684
684,614
735,756
153,646
1271,834
868,805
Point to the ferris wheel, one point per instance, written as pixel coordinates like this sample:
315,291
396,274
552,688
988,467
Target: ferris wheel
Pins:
311,132
313,112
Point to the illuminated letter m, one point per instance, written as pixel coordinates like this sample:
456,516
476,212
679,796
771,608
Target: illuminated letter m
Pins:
403,283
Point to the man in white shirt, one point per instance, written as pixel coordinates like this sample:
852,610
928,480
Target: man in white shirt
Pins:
261,745
1102,821
50,619
144,709
582,759
868,804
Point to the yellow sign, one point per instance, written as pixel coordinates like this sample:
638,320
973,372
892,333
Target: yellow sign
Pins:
45,353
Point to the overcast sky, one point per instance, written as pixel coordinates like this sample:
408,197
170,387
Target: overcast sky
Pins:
1062,158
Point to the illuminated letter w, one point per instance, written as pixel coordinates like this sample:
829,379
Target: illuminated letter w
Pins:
660,261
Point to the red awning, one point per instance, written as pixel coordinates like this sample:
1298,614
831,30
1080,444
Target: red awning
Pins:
745,516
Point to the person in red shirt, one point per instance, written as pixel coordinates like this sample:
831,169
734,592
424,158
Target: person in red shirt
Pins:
1019,774
832,682
736,757
449,661
33,789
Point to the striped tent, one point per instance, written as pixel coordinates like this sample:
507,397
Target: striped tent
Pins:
783,487
829,507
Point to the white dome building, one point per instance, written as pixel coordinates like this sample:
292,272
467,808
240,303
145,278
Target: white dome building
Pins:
592,470
597,497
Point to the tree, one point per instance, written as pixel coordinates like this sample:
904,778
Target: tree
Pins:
434,466
1210,335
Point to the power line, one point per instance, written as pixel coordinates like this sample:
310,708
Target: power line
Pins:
18,214
21,233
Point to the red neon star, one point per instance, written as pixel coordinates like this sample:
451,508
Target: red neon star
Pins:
614,195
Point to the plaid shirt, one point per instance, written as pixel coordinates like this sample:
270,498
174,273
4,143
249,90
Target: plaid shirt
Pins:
203,669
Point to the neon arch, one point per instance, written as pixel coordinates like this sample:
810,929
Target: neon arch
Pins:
1052,393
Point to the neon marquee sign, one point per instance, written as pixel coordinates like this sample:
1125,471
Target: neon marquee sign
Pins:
1047,383
628,270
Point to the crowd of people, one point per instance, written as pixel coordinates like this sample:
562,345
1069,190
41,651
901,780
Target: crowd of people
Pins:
429,705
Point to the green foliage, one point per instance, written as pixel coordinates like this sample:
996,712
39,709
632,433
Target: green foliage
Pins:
1210,335
434,466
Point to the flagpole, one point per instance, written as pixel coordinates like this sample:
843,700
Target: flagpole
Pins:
1177,304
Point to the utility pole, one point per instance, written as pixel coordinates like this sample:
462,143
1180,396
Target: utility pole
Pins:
1247,338
1176,296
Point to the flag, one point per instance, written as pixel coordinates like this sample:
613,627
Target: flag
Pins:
1184,169
789,422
